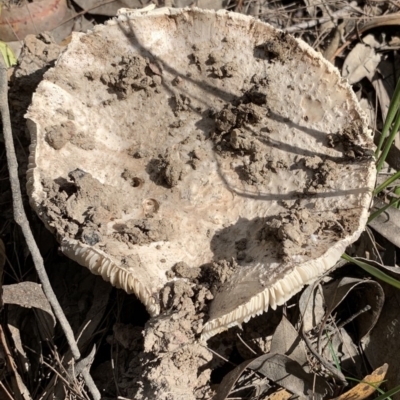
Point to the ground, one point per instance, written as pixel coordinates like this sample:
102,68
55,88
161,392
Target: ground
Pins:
322,342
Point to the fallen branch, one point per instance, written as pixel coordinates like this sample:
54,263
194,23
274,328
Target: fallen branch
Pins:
22,221
342,13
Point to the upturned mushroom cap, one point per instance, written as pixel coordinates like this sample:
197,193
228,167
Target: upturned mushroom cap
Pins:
197,136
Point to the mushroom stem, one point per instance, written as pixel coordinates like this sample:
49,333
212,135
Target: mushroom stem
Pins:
164,372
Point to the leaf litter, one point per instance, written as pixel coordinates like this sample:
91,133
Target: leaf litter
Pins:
323,329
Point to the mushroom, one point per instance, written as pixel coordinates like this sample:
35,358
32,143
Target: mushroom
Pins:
193,136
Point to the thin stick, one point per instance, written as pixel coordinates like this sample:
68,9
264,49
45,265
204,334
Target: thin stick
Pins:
342,13
6,391
218,355
22,221
245,344
85,11
66,383
13,30
30,15
331,368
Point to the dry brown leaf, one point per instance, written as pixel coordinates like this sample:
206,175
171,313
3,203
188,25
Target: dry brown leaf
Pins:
281,394
362,60
383,343
314,6
311,306
367,387
365,293
290,375
30,295
286,340
229,381
384,82
387,224
280,369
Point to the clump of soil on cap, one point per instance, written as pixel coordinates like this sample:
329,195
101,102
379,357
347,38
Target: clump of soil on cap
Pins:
59,135
87,206
167,169
143,231
295,230
131,74
83,203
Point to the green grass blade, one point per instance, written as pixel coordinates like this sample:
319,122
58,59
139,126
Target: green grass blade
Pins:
390,392
393,108
377,273
387,183
382,209
396,191
333,354
8,55
372,384
389,142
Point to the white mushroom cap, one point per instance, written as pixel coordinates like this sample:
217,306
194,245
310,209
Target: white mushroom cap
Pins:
195,136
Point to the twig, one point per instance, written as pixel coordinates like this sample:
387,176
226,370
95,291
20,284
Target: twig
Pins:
13,30
245,344
335,372
30,15
84,363
5,390
85,11
219,355
66,383
239,6
342,13
354,316
22,221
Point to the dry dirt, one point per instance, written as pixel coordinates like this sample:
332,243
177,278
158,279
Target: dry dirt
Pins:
148,145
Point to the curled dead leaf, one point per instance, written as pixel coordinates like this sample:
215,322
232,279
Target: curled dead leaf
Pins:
363,293
30,295
280,369
362,60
